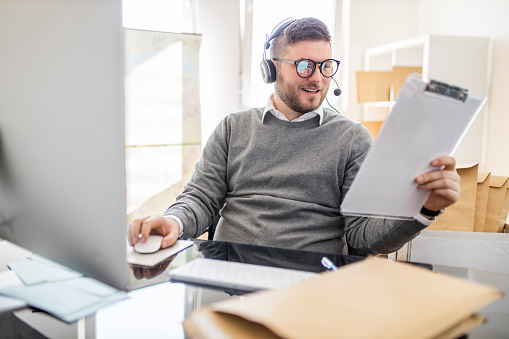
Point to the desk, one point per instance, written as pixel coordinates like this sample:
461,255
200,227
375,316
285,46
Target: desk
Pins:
156,307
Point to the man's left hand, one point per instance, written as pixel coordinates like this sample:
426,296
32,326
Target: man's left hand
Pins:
444,184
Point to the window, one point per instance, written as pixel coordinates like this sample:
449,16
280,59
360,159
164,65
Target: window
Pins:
162,111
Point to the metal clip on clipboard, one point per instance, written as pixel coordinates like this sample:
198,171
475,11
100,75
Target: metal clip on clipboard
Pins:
451,92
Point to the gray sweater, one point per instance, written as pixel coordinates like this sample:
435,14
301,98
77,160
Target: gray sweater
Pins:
281,184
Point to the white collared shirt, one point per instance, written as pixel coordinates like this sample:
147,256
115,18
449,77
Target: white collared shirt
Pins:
269,107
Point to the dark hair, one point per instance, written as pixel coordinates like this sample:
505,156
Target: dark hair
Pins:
300,30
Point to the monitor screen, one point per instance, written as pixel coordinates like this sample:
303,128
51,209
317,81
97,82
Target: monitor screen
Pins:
62,133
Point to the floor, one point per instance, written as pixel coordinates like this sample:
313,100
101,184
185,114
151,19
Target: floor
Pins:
11,328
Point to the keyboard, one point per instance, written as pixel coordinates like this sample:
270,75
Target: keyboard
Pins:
236,276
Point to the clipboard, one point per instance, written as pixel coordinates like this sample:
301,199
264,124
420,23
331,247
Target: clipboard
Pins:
428,120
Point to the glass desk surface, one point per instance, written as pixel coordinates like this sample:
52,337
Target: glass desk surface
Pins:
156,307
250,254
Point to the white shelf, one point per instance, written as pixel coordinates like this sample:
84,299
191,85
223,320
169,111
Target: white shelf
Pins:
460,61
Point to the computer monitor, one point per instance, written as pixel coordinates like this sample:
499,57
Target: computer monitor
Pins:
62,133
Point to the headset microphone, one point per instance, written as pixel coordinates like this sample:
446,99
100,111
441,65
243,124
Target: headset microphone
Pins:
337,91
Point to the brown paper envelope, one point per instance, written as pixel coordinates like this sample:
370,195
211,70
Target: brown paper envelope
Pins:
373,86
373,126
496,200
461,215
463,327
481,200
374,298
206,324
505,211
399,76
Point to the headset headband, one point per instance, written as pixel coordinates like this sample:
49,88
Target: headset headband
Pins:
276,31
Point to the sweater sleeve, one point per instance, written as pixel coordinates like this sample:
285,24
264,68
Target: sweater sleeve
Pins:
372,235
203,196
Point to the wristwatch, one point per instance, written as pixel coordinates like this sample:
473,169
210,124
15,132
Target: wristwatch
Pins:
430,213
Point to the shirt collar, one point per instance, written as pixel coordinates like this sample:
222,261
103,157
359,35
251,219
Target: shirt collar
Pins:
270,107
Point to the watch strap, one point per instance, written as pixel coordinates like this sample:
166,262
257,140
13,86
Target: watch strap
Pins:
430,213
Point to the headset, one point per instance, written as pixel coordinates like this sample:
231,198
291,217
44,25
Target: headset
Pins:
267,67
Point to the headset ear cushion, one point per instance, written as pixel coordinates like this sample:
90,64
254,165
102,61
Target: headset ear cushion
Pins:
268,71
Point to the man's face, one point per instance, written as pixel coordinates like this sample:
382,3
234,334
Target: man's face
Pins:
301,95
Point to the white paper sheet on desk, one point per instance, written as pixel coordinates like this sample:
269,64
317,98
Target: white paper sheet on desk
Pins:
59,290
152,259
43,260
420,128
90,286
8,279
34,272
10,304
68,300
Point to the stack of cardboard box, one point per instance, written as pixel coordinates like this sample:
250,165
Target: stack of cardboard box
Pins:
470,233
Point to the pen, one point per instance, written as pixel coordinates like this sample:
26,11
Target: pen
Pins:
328,264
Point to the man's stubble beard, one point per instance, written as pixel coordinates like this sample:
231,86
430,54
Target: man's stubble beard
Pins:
291,97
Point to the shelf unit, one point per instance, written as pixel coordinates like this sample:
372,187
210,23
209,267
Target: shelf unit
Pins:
460,61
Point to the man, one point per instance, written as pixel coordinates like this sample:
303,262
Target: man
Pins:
278,174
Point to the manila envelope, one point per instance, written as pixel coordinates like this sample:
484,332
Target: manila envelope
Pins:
399,76
461,215
498,200
505,211
481,200
373,298
373,86
373,126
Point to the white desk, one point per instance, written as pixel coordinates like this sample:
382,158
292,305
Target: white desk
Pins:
157,311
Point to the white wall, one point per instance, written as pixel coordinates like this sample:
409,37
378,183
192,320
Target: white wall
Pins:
480,18
375,22
219,24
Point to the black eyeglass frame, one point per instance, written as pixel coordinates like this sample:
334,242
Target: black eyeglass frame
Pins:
314,66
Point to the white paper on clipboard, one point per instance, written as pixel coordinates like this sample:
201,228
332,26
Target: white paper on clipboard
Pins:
427,121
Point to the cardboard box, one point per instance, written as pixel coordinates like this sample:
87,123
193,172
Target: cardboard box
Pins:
374,298
461,215
373,127
373,86
498,200
481,200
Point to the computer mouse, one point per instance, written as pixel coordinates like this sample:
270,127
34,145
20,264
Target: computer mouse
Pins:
153,244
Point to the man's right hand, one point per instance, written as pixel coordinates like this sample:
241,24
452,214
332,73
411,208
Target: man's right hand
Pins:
141,228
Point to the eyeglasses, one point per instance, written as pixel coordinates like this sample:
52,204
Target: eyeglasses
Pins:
306,67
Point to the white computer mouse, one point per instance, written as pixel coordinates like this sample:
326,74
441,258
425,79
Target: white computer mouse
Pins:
152,245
